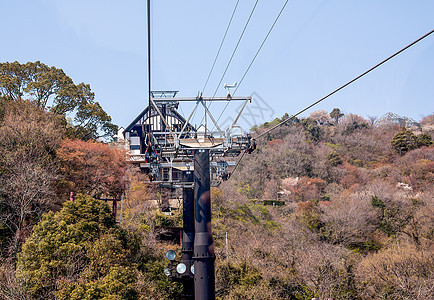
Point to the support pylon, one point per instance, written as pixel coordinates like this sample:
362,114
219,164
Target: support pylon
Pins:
204,258
188,235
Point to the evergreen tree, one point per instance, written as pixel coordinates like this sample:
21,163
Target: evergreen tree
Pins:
424,139
80,253
51,89
404,141
336,114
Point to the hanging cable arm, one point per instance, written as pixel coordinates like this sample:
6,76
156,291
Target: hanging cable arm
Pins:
149,70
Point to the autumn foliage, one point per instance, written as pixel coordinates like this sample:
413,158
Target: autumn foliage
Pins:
92,168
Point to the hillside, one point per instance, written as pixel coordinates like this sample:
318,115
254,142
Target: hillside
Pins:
329,206
357,222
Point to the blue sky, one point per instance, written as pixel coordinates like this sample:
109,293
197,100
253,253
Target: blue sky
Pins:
315,47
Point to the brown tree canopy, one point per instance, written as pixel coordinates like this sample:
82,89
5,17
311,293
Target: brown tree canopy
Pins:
29,138
92,168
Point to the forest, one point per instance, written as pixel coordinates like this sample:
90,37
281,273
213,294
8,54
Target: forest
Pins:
331,205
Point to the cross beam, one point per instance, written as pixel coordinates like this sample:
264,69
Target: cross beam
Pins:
193,99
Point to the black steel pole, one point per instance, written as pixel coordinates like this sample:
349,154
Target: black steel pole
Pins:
204,278
149,75
188,235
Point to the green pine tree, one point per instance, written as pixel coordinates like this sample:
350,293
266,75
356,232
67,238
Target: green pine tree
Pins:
80,253
404,141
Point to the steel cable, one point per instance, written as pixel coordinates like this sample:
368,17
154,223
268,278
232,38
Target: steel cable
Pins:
335,91
220,48
257,52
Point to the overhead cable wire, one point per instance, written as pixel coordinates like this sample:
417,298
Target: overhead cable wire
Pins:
220,48
221,114
238,162
236,47
348,83
257,52
337,90
260,47
233,54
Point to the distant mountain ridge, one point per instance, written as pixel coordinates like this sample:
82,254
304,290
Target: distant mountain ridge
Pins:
394,118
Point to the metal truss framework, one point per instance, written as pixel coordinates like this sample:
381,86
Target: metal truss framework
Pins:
167,149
